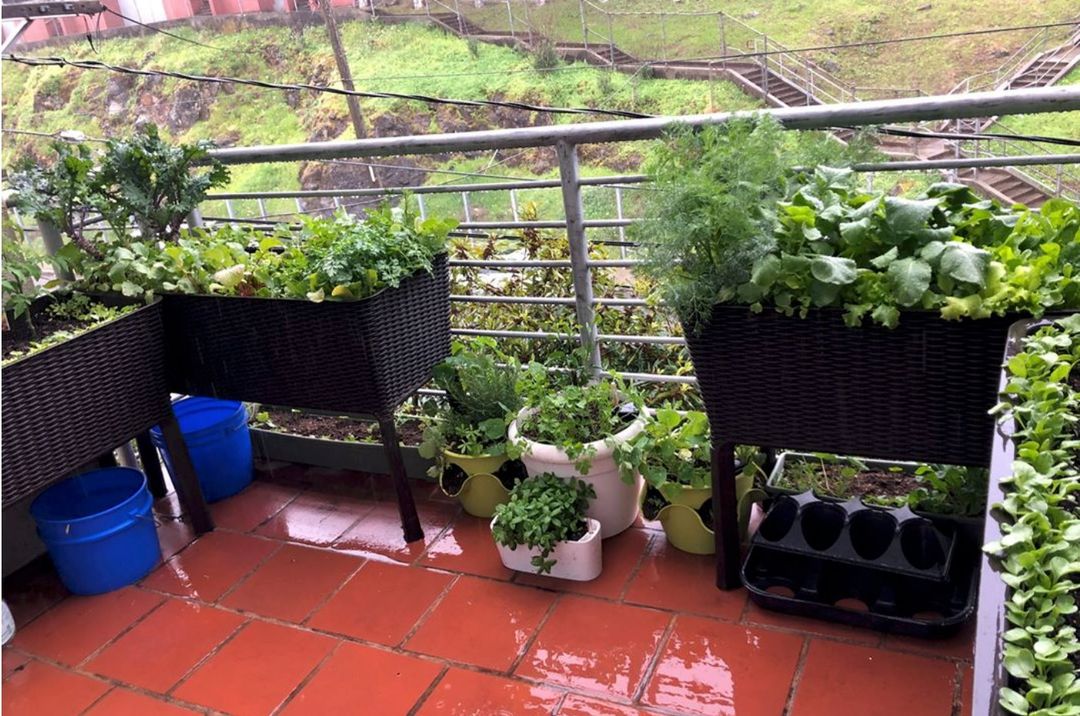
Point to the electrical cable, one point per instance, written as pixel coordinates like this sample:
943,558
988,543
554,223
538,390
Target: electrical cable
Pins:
158,30
98,65
901,132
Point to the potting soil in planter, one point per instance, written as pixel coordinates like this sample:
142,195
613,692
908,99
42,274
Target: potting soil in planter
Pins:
55,325
297,422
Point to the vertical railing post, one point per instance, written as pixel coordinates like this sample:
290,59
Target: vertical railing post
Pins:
460,23
510,14
195,220
620,217
513,202
465,205
420,206
765,64
579,250
584,25
610,40
663,36
723,40
50,236
528,21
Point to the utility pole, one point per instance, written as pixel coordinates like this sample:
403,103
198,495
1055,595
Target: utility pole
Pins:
357,116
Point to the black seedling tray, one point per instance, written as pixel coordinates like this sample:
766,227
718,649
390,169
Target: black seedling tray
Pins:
863,536
860,596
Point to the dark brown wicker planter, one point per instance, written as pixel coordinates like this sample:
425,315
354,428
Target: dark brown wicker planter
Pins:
66,405
918,392
354,357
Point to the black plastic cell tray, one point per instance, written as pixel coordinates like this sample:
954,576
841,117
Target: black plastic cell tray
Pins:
872,538
891,602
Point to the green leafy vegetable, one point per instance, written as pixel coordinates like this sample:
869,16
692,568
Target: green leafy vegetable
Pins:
543,511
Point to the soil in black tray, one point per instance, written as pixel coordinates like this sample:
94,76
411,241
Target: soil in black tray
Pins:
410,430
46,325
839,481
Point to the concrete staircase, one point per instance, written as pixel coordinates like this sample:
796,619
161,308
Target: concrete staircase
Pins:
787,79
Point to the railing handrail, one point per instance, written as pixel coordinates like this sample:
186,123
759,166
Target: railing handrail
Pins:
979,104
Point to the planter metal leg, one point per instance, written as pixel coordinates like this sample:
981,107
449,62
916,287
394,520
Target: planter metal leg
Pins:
725,516
410,521
184,478
151,465
107,460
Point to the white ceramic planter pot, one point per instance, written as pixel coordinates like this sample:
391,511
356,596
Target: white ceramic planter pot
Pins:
617,503
580,561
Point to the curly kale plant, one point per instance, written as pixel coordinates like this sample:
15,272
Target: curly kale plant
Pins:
155,183
543,511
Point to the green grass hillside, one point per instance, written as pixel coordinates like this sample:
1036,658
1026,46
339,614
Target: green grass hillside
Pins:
932,66
394,58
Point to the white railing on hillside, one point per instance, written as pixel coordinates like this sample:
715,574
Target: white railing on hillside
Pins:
1039,44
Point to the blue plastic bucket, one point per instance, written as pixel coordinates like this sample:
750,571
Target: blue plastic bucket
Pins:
217,438
99,529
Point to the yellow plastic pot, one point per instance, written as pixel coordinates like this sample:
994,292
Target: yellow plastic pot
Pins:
682,524
481,492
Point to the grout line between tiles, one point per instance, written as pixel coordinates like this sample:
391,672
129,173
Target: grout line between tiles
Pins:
307,679
654,661
333,592
94,654
958,690
528,645
247,575
420,620
98,700
207,657
796,678
646,552
429,690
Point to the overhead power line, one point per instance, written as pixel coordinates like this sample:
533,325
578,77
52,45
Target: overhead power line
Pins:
97,65
160,31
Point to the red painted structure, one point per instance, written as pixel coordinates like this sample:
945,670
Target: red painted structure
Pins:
151,11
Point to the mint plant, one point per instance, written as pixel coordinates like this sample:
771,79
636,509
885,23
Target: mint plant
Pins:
543,511
1039,551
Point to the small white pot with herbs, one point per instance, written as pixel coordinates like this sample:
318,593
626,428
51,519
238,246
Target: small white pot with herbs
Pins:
572,432
467,434
543,529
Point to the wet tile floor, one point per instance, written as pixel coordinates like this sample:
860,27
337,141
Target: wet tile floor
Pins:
305,600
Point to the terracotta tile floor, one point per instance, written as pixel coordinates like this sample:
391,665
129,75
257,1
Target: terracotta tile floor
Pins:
306,601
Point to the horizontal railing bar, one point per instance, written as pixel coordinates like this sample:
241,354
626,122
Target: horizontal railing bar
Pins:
603,337
438,189
655,340
967,163
541,263
907,109
545,224
547,301
659,377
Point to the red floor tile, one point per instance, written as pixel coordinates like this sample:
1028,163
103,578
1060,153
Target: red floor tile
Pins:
467,547
255,672
843,678
173,535
717,668
967,686
576,705
78,626
468,693
362,679
381,603
293,582
357,484
166,645
209,567
13,660
755,615
43,690
498,618
621,555
316,518
121,702
672,579
595,646
379,533
256,504
958,646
